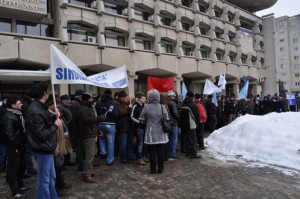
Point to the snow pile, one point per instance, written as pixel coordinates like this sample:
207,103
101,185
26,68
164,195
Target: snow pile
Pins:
273,139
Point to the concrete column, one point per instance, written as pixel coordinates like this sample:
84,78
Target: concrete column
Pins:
131,85
63,89
236,89
178,84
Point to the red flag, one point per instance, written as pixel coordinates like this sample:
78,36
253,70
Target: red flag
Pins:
160,84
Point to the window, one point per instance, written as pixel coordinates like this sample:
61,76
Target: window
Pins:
231,36
297,75
283,74
296,66
188,49
81,33
203,6
295,40
296,48
244,58
34,29
282,65
230,16
296,57
114,9
187,24
167,46
143,43
5,25
167,18
186,3
220,54
297,83
218,12
253,60
115,38
281,40
84,3
203,28
282,58
232,57
281,49
142,13
219,33
205,51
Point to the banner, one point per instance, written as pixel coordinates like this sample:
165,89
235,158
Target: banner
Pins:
292,99
244,92
222,81
160,84
183,90
210,88
64,71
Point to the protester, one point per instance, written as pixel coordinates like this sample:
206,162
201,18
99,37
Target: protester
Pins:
15,139
3,155
107,107
74,128
189,115
139,127
88,133
124,128
42,138
174,118
155,137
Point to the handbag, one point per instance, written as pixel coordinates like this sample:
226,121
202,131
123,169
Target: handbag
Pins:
166,126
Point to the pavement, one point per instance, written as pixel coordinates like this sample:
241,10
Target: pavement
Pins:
207,178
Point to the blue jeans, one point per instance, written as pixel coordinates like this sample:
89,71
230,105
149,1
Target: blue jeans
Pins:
126,146
173,141
140,142
45,177
107,141
3,157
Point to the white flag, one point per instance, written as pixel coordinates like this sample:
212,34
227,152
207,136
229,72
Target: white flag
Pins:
210,88
222,82
64,71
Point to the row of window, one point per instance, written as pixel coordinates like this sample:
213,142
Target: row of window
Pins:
282,49
296,66
27,28
282,57
145,13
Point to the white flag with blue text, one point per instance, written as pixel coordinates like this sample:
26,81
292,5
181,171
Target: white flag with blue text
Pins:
64,71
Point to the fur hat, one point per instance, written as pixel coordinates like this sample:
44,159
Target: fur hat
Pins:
86,96
122,94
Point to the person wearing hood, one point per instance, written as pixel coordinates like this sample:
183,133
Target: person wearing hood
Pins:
88,132
155,137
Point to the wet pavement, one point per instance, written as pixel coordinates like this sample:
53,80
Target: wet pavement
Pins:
206,178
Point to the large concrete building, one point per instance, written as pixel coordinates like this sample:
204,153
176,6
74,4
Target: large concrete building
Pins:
283,36
190,40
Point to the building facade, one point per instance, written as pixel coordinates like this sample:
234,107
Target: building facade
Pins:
285,35
190,40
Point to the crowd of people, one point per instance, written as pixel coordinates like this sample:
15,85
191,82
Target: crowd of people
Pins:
105,127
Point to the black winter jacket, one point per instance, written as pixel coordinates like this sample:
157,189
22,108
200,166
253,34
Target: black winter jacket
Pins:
41,131
107,106
135,114
15,135
2,113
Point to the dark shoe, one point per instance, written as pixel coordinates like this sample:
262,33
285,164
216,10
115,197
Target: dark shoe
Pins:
88,179
159,172
26,176
196,156
187,155
109,164
31,171
103,156
124,161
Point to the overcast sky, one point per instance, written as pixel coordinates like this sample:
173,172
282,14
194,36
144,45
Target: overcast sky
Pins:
282,8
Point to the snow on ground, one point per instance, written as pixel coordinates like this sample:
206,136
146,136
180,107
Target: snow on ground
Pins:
272,139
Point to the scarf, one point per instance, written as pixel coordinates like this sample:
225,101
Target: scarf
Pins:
20,115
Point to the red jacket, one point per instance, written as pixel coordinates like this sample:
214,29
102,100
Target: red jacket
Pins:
202,112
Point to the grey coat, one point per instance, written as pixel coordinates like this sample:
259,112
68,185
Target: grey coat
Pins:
152,115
